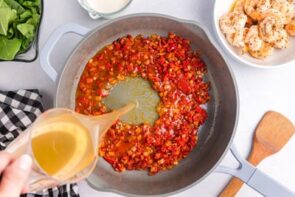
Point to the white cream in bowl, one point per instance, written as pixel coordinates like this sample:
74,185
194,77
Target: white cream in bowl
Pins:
278,58
107,6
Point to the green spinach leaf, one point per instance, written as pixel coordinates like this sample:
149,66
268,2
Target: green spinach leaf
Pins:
3,4
26,14
27,30
19,21
10,48
15,5
6,16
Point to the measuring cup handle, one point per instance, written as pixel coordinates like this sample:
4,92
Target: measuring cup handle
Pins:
254,178
52,41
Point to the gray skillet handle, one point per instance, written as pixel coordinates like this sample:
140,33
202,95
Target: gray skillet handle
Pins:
52,41
254,178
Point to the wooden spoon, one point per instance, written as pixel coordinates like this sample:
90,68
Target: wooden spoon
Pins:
272,133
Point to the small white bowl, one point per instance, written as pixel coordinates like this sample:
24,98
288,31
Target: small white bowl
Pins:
95,15
279,58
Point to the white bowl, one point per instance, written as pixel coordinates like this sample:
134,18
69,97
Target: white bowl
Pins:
279,58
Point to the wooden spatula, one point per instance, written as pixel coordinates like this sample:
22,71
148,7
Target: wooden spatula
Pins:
272,133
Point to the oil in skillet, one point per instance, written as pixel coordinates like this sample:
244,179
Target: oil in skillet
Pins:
137,90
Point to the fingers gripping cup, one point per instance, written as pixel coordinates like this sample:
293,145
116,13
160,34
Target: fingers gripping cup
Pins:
63,145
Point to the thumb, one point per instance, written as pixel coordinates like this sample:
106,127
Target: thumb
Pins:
15,176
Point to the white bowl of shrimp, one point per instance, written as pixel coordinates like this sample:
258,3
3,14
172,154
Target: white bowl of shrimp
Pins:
258,33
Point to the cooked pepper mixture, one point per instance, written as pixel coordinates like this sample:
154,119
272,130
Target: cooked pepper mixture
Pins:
175,72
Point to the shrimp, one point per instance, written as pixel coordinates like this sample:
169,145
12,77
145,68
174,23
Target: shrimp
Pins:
252,39
255,45
282,41
237,39
263,52
284,7
239,6
255,8
270,26
232,22
292,2
249,22
290,27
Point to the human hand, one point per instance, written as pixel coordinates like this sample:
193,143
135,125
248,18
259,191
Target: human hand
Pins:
13,174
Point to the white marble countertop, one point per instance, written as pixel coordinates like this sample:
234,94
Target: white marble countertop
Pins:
260,90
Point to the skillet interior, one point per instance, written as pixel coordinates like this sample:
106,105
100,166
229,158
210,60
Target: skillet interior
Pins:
214,136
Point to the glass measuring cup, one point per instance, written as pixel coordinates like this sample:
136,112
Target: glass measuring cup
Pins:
81,135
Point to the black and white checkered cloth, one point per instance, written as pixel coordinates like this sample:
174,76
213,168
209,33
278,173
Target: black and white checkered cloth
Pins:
18,109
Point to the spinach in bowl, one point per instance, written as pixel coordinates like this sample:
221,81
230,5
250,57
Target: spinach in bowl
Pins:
19,22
